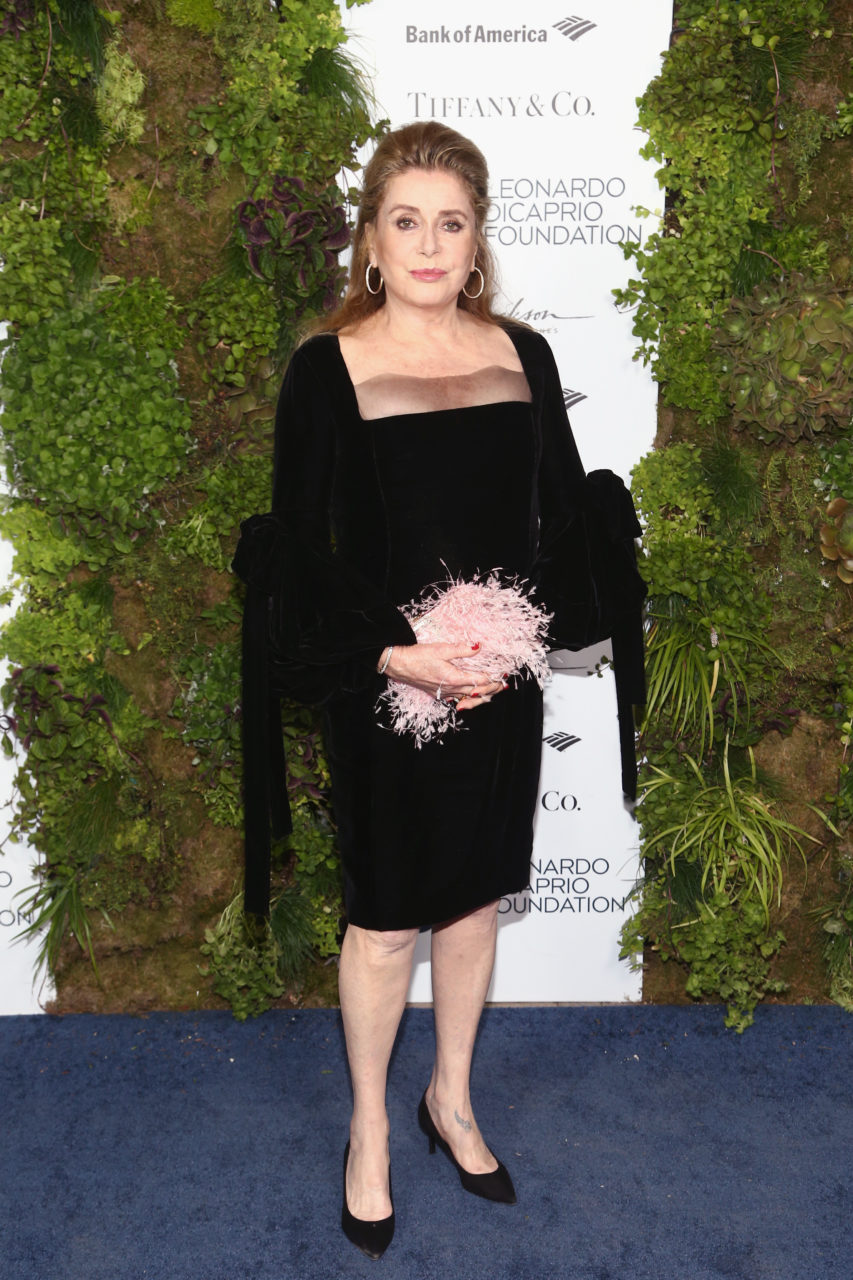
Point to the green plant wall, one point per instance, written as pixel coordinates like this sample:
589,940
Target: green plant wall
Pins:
169,216
743,305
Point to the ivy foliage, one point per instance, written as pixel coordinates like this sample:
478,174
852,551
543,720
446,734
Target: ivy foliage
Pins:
206,532
285,79
138,384
714,125
237,328
112,428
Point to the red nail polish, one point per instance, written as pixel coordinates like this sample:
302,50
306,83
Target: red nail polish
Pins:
476,646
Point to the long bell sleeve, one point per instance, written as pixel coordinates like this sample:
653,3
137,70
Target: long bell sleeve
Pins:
325,615
314,627
586,567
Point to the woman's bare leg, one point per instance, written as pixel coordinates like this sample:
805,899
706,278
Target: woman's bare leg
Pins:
463,956
374,977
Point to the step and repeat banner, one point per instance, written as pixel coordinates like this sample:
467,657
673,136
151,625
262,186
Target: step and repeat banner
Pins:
22,989
549,96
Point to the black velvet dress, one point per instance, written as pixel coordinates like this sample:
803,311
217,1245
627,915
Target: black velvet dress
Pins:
425,833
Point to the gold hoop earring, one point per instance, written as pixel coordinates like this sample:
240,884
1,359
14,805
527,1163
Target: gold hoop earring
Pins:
374,292
473,296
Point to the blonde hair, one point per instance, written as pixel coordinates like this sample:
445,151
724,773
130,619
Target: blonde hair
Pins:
422,145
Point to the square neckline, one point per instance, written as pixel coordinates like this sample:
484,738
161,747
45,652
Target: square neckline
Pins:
419,413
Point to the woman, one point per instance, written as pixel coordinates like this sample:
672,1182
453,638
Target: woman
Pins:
433,435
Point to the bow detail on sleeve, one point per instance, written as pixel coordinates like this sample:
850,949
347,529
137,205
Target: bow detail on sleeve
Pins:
312,628
587,576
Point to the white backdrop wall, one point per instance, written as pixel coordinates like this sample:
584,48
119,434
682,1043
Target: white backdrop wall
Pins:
21,989
550,98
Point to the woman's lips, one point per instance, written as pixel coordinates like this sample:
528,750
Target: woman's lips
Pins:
429,273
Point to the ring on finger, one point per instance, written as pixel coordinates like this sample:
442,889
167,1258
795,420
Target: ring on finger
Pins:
438,694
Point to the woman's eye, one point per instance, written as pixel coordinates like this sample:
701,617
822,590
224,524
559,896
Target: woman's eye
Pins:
405,223
453,225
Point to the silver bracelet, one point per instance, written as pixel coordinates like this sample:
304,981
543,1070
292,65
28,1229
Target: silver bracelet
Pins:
381,670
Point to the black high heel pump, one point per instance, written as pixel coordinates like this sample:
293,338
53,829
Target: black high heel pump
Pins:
372,1238
496,1185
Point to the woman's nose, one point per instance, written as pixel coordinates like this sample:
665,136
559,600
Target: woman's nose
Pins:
429,241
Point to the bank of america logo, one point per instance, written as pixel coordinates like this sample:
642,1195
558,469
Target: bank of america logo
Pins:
560,740
571,398
574,28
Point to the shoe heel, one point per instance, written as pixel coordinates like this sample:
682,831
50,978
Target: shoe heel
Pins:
496,1185
426,1125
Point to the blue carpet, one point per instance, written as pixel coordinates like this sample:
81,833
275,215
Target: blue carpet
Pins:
645,1142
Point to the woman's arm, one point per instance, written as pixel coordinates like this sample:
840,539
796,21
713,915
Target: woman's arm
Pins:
561,474
327,613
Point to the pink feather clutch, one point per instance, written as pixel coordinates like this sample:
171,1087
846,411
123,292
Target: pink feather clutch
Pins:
511,631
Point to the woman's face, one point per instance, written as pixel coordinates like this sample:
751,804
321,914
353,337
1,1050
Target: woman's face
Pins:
424,239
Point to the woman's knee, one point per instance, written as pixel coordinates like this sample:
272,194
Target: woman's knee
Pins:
381,945
480,920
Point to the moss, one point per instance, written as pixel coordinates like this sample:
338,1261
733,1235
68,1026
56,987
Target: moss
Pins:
136,981
169,759
145,678
319,989
167,605
130,205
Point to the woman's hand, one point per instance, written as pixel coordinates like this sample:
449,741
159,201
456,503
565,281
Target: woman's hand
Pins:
431,667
